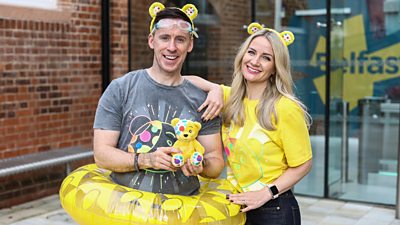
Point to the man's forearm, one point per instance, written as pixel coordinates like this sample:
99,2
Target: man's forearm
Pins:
107,155
114,159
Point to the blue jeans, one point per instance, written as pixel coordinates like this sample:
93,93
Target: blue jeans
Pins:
283,210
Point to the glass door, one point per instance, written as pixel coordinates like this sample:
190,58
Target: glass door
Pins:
365,164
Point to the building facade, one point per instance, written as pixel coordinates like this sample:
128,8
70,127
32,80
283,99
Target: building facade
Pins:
56,59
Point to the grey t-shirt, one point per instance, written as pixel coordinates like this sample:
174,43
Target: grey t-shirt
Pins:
142,110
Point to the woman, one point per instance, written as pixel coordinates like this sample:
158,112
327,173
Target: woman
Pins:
265,130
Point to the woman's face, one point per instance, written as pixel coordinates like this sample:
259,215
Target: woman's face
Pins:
258,62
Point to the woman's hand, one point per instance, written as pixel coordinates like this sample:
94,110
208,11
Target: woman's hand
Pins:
213,103
251,200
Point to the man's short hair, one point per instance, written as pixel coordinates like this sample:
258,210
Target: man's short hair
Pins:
171,13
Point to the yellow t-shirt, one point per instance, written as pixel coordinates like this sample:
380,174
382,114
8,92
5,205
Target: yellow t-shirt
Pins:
257,157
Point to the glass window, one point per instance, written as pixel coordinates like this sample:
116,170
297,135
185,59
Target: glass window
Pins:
44,4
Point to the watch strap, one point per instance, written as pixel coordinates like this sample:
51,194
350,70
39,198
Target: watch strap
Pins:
273,190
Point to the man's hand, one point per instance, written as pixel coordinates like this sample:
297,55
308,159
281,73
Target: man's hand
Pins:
190,170
159,159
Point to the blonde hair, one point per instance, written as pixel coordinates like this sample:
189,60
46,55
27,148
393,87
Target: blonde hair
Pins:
278,85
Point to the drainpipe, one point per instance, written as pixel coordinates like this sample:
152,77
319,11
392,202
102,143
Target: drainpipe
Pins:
327,95
105,43
278,15
253,11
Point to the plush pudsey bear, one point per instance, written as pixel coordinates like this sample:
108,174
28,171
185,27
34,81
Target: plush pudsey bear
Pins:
186,132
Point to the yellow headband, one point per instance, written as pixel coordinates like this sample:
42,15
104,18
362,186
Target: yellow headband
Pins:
189,9
287,37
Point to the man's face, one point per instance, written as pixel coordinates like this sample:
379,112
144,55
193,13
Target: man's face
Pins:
171,43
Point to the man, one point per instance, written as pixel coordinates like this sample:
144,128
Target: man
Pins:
132,131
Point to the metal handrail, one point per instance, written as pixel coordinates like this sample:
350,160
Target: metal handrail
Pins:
35,161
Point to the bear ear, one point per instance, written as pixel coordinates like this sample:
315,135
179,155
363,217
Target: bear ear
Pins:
174,121
155,8
287,37
254,27
190,10
198,125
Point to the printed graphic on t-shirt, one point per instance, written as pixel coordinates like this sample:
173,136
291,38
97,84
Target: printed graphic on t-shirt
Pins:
150,126
150,129
147,135
245,148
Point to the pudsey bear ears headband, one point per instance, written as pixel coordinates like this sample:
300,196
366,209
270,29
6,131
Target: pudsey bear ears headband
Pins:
189,9
287,37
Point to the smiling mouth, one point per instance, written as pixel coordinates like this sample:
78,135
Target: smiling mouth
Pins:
252,70
169,57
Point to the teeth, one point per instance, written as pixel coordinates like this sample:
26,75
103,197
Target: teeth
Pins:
171,57
253,70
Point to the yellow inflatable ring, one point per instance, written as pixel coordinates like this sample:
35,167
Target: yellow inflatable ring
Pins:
90,197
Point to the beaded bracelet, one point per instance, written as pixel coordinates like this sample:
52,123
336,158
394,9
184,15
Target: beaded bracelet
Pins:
136,161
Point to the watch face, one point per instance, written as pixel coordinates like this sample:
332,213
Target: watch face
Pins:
274,190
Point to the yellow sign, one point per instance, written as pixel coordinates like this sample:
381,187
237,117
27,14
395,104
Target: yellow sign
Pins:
359,67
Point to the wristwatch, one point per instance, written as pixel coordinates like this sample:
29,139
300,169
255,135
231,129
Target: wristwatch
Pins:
274,191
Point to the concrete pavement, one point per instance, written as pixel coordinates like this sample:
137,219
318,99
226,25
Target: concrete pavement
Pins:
315,211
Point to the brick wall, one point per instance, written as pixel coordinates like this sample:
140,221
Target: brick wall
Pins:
50,83
119,38
142,56
226,37
50,80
